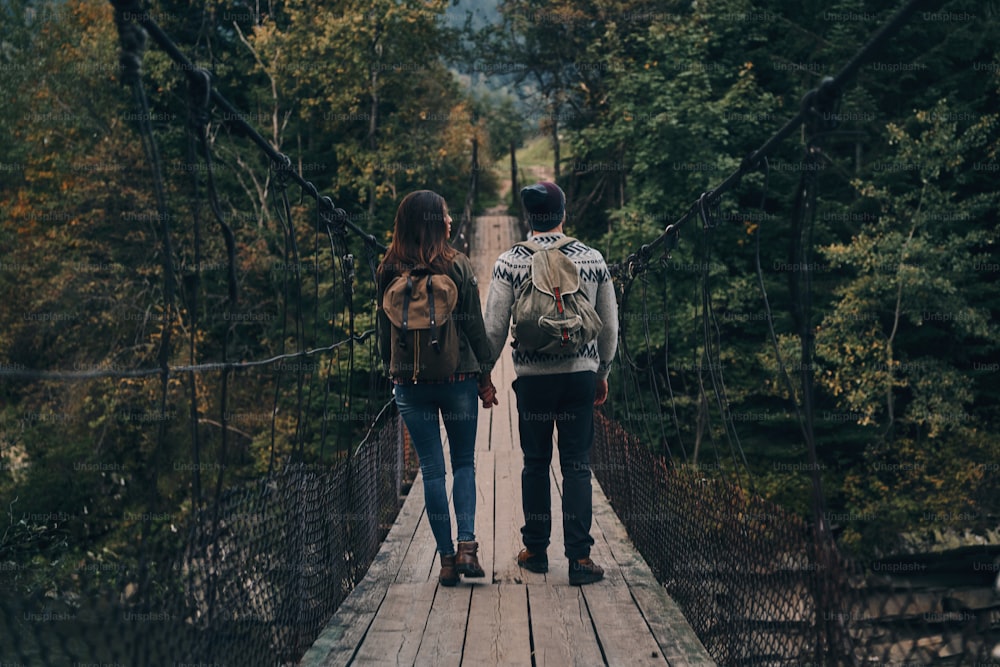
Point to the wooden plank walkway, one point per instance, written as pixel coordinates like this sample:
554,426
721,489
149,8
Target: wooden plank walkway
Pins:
398,615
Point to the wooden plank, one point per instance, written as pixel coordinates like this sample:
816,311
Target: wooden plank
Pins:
342,634
621,629
336,643
561,628
485,513
508,522
498,633
619,602
486,244
444,634
504,414
496,238
506,436
601,552
677,640
421,562
395,634
558,565
556,550
484,426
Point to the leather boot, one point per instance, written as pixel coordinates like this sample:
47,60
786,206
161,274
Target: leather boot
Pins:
467,561
535,562
584,571
448,575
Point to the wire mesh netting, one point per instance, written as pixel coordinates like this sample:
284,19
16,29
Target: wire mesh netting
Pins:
250,580
208,486
238,533
757,590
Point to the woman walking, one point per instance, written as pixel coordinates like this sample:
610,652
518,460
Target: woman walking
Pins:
420,242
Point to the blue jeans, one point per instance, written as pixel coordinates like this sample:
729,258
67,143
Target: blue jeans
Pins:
457,403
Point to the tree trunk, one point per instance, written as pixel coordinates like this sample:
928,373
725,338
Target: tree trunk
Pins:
515,192
372,127
461,241
555,147
373,116
515,200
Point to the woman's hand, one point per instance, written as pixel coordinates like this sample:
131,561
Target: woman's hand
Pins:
489,396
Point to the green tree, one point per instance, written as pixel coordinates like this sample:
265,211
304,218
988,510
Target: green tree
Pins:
686,92
905,344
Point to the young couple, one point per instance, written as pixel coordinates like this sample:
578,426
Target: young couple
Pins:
551,390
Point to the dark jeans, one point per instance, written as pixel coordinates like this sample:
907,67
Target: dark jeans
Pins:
458,406
566,401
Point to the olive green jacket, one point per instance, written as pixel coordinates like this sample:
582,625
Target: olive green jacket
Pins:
475,353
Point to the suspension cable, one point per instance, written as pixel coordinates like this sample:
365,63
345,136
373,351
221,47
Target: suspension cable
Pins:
819,97
131,9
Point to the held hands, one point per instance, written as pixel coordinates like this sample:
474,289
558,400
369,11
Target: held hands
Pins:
487,392
489,396
601,394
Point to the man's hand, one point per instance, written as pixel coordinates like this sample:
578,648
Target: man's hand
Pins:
601,393
487,392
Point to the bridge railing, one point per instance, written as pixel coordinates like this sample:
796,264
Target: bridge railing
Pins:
758,588
249,580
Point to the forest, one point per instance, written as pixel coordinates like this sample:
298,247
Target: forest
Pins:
639,107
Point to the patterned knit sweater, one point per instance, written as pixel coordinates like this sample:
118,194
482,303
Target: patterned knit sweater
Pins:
512,268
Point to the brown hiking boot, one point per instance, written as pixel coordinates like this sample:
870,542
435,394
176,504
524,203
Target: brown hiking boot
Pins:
584,571
534,562
448,575
467,562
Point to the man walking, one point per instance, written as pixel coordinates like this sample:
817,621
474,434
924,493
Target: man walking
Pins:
556,390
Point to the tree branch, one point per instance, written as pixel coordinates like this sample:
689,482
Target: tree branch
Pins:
898,312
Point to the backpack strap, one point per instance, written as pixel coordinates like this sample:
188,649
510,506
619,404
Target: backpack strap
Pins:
407,293
430,307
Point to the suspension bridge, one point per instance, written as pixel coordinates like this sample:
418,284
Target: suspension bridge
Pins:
318,553
399,615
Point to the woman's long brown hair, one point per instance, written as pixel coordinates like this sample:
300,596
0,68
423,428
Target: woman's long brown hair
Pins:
419,236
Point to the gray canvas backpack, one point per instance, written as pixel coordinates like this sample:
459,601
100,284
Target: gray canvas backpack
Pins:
551,314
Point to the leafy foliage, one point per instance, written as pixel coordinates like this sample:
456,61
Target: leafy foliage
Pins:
358,95
901,250
647,105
